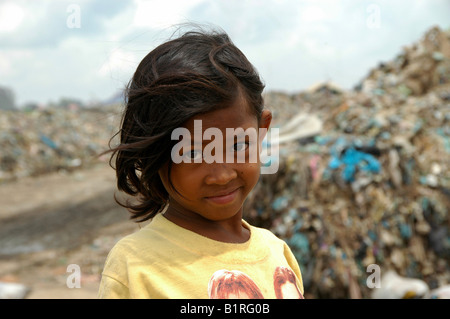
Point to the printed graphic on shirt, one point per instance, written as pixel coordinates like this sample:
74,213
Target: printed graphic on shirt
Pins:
285,285
234,284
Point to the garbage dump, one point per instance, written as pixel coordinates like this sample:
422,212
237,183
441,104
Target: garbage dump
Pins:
363,176
41,141
373,187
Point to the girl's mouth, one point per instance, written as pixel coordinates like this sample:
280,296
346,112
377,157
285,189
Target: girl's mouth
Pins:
223,199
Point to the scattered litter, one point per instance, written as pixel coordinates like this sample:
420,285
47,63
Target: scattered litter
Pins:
11,290
393,286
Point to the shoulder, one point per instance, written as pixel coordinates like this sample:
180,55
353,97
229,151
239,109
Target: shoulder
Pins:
138,243
264,234
129,244
134,249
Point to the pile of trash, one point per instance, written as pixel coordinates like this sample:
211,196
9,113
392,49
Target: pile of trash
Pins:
38,141
373,186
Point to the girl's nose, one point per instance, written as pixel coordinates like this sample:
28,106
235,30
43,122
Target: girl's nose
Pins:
220,173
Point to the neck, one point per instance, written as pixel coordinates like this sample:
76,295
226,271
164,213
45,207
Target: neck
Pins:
229,230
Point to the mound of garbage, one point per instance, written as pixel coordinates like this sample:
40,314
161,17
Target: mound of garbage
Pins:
41,141
373,187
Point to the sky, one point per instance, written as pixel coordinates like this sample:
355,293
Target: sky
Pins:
89,49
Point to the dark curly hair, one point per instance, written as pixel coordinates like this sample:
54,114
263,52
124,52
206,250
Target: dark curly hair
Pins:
197,72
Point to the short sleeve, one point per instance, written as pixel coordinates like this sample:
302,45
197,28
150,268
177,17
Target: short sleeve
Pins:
292,261
111,288
114,282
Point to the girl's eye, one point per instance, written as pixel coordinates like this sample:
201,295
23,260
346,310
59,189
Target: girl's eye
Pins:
240,147
193,155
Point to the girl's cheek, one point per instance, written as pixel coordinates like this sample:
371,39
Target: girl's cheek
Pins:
251,172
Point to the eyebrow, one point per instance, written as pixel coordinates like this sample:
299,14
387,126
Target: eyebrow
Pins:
238,134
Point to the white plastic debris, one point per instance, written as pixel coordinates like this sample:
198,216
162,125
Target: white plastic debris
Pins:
9,290
439,293
394,286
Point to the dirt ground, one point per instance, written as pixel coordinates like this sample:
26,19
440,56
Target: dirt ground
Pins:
50,222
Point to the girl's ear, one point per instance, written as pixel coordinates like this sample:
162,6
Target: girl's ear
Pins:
264,124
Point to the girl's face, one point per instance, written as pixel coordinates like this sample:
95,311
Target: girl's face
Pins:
216,191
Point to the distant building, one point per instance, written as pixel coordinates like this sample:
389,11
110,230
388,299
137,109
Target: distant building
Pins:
7,99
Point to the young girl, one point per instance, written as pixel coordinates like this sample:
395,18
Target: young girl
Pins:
197,240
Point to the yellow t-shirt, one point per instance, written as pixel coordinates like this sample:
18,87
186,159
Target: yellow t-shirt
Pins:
164,260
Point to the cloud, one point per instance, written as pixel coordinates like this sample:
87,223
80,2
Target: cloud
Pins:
11,16
335,40
292,43
45,22
158,14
